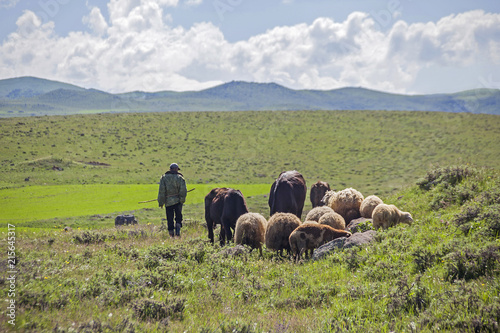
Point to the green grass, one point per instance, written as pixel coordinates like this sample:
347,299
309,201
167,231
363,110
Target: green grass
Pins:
439,274
431,276
34,203
375,152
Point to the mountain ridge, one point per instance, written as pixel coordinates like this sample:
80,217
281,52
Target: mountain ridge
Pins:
34,96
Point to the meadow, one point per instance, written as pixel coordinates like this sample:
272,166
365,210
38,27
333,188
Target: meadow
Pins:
441,273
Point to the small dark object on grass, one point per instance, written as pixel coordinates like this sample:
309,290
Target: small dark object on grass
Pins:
125,220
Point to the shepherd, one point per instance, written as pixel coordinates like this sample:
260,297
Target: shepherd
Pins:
172,194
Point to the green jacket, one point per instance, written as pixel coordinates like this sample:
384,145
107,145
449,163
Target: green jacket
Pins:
172,189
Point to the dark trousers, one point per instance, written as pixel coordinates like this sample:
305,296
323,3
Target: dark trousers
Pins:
171,211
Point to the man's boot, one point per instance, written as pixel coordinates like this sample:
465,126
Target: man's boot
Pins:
178,229
171,233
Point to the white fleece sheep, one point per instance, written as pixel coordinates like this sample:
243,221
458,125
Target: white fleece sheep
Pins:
251,230
279,228
327,197
385,216
347,203
368,205
316,213
333,219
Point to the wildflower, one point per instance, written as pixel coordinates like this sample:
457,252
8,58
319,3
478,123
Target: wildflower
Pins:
45,278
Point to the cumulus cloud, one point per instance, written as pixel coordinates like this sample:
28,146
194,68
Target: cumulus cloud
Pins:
95,20
137,49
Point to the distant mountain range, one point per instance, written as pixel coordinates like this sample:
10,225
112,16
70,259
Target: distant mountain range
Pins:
25,96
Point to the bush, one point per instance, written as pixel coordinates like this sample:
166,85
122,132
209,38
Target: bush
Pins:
408,298
91,237
423,259
449,175
147,309
479,218
470,264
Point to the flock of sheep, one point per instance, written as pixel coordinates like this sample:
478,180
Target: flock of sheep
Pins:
327,221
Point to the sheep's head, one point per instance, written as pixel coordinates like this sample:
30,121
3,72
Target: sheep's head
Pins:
325,201
406,218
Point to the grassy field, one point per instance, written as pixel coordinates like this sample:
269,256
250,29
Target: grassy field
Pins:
33,203
376,152
441,273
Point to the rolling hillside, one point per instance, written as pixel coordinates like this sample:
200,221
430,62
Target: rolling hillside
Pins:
32,96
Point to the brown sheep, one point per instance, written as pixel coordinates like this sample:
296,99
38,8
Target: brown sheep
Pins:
279,228
334,220
251,230
316,213
307,237
368,205
318,191
386,216
347,203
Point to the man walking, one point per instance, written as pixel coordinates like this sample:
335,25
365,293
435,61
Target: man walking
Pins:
172,194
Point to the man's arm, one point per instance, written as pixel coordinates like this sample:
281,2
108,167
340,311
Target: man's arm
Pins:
182,191
161,193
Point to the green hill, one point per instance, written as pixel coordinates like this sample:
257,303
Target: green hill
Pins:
28,87
31,96
375,151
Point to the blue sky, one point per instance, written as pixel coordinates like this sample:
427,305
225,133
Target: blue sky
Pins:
403,46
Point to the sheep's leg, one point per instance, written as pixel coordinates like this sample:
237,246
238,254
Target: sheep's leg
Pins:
302,251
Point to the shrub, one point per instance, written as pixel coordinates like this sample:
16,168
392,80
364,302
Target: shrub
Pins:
147,309
408,298
448,175
445,195
470,264
423,259
461,310
91,237
480,218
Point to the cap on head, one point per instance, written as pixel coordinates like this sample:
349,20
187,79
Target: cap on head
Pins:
174,166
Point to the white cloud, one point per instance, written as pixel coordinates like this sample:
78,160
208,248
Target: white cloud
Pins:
138,50
194,2
96,21
8,3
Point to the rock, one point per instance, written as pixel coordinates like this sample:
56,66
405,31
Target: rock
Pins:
324,249
353,225
360,238
357,239
235,251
